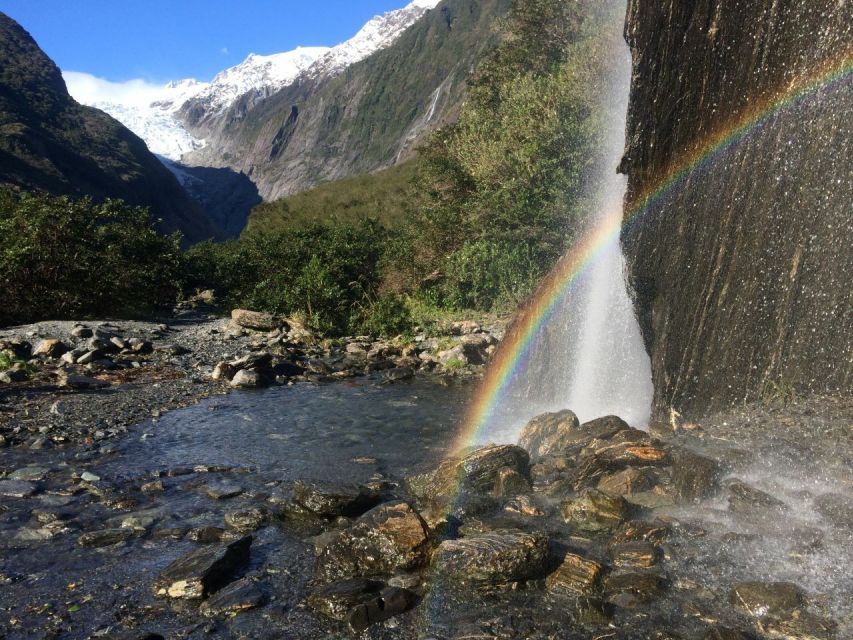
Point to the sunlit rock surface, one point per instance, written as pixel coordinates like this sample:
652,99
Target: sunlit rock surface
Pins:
741,271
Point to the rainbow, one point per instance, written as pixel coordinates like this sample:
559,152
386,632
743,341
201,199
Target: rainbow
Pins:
521,340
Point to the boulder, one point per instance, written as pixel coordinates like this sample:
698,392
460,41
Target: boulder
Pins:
835,508
549,433
235,598
246,520
594,511
256,320
331,500
476,472
635,555
499,557
51,348
511,483
628,481
773,599
223,371
746,499
203,572
387,539
575,575
694,476
247,379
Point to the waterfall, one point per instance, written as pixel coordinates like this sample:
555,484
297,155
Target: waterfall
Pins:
590,356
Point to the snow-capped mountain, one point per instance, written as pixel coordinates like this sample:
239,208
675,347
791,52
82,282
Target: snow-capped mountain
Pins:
155,113
378,33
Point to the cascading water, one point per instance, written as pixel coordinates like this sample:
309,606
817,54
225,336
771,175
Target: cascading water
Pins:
590,356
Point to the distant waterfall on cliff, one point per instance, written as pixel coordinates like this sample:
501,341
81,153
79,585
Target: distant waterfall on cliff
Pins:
590,356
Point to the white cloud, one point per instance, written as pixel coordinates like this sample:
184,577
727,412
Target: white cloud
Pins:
224,51
88,89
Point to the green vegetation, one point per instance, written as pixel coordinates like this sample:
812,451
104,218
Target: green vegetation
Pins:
470,226
384,196
61,258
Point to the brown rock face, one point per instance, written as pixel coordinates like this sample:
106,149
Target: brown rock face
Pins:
494,558
575,575
742,268
548,434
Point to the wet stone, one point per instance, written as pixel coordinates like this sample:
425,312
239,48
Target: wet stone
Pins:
17,488
575,575
336,600
235,598
246,520
387,539
724,633
630,590
223,490
331,500
836,508
29,474
800,625
205,535
511,483
594,511
694,476
627,482
746,499
549,434
774,599
392,601
106,537
636,555
204,571
494,558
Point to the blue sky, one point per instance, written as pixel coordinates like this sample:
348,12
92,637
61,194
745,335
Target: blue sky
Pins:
162,40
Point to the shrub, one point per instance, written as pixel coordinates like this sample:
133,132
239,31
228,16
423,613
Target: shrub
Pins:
65,258
385,316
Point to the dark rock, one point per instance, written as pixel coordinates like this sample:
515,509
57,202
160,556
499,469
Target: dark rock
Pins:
800,625
511,483
392,601
29,474
655,532
331,500
106,537
494,558
204,571
629,590
82,332
14,375
774,599
247,520
628,481
549,434
694,476
387,539
575,575
248,379
746,499
336,600
836,508
594,511
235,598
80,382
17,488
398,374
476,472
205,535
635,555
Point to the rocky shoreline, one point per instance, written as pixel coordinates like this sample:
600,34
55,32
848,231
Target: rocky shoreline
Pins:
85,383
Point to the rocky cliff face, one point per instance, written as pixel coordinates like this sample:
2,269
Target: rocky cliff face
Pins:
51,143
325,127
743,268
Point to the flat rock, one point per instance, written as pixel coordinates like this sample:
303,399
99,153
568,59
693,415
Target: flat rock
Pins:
387,539
774,599
80,382
203,572
235,598
17,488
630,590
223,490
594,511
106,537
636,555
746,499
575,575
29,474
549,434
331,500
494,558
